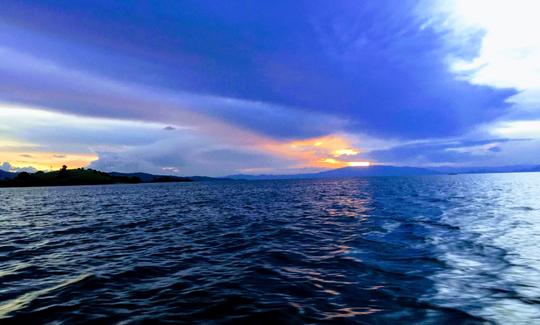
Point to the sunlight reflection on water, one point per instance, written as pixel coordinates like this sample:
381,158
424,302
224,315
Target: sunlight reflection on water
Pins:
411,249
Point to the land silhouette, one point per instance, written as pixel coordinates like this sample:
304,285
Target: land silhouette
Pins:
81,176
385,170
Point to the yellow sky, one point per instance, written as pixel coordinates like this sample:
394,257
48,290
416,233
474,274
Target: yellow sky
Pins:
46,160
323,152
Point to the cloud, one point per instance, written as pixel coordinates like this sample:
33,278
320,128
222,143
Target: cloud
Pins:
505,54
332,151
389,77
516,129
9,168
190,155
185,157
40,82
54,131
508,54
454,152
122,145
357,68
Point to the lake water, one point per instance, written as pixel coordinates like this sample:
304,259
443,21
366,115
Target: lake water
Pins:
433,249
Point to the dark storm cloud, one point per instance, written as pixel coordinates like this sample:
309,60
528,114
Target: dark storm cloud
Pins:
461,151
370,64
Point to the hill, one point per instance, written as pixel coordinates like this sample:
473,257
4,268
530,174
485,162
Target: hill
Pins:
382,170
81,176
485,170
150,178
377,170
6,175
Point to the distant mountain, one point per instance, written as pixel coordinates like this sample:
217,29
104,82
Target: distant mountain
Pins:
6,175
150,178
382,170
376,170
485,170
269,177
207,178
65,177
81,176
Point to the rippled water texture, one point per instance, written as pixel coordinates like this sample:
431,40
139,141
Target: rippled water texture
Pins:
429,249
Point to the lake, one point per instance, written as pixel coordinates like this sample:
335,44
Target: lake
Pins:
432,249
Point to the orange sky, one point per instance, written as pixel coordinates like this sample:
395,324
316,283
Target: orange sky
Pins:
46,160
323,152
326,152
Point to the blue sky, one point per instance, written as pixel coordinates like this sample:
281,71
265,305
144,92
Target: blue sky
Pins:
219,87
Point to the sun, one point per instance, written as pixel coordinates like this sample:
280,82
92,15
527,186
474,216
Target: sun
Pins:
358,164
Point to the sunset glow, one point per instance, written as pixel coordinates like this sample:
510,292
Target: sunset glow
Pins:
47,160
301,162
323,152
359,164
184,105
345,152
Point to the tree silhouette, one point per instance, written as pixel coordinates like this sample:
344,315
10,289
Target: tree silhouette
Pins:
22,176
63,171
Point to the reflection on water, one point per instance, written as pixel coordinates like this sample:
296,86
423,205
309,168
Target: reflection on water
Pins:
496,258
414,249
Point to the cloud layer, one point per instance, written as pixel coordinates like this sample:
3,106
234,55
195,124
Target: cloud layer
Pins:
208,88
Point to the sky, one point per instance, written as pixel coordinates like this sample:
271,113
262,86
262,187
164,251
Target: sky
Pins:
268,87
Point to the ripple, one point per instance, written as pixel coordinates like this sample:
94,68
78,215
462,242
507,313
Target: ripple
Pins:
459,249
24,300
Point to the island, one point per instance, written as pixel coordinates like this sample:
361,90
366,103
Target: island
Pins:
82,176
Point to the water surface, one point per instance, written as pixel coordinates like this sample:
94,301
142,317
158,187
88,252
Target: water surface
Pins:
459,249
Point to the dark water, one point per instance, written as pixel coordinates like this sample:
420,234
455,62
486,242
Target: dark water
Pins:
436,249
